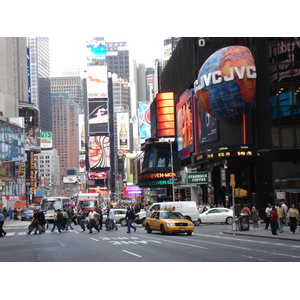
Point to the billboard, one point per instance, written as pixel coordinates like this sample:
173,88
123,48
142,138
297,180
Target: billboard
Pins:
123,131
165,117
184,128
96,50
82,135
144,122
97,85
98,117
32,138
133,191
99,152
46,139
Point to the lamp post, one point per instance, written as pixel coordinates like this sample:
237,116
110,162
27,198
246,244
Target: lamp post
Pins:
172,170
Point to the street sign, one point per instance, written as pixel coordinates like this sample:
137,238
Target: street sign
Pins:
197,178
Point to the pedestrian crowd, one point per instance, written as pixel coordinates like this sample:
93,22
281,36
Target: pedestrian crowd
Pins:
279,216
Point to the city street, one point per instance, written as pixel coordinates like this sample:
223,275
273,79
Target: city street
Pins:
209,243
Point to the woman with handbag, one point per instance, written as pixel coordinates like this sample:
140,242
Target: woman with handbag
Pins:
292,217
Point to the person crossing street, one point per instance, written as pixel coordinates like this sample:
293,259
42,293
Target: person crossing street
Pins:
130,216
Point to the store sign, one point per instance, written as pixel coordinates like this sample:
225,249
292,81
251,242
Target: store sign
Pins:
197,178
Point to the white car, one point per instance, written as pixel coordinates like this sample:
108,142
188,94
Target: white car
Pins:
120,214
217,215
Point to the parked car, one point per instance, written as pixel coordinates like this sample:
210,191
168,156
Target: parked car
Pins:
169,222
217,215
120,214
27,214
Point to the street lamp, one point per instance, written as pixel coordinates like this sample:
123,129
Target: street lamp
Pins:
172,170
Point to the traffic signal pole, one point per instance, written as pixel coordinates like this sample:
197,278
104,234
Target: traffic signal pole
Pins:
232,184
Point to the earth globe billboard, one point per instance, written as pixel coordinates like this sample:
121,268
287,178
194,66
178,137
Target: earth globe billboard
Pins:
226,83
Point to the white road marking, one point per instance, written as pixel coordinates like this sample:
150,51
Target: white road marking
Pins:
132,253
94,239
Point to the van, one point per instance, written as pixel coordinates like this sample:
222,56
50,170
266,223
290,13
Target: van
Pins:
187,208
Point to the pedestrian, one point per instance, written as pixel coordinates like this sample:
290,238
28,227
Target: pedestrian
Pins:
10,213
246,210
130,216
280,212
292,218
42,221
274,220
34,223
4,212
91,220
254,217
70,214
82,218
65,218
100,217
111,217
15,212
58,220
2,219
268,216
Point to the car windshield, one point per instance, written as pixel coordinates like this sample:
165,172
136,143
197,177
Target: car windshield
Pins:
87,204
51,205
171,215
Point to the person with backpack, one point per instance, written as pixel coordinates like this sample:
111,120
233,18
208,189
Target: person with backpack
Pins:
58,220
130,216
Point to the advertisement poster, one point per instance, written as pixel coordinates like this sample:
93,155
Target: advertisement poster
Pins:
98,117
123,131
97,85
144,122
96,50
99,152
46,140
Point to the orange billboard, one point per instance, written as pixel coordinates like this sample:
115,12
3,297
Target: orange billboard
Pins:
165,116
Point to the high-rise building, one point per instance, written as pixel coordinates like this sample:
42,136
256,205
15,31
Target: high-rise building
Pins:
72,85
118,59
40,78
169,46
65,130
13,75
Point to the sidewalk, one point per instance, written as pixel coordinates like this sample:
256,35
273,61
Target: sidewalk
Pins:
261,232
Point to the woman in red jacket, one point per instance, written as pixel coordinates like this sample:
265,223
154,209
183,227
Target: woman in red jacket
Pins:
274,220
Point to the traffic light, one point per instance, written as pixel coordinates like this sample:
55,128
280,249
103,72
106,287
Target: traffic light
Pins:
240,193
21,169
32,191
232,180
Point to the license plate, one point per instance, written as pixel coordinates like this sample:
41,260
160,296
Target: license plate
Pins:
182,229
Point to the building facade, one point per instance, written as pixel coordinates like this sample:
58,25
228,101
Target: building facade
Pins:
65,130
255,157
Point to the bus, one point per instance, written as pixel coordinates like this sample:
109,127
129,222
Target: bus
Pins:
50,204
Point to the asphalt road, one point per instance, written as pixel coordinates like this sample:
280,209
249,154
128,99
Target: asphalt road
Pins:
207,244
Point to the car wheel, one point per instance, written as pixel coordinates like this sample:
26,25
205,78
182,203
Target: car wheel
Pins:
197,223
188,218
189,233
162,229
229,220
123,222
144,222
148,228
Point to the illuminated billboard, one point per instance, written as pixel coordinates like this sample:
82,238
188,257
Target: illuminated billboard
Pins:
98,117
96,50
46,139
99,152
184,124
97,85
144,122
123,131
132,191
82,135
165,120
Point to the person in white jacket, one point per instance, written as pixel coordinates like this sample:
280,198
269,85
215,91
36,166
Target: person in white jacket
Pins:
111,216
91,220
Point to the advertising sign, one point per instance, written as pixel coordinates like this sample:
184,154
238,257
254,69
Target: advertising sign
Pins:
144,122
32,137
99,152
82,135
97,84
123,131
96,50
98,117
46,139
185,124
132,191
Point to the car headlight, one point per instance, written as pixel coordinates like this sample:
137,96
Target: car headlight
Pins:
170,224
191,225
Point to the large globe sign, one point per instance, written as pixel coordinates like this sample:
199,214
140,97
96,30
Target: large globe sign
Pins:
226,83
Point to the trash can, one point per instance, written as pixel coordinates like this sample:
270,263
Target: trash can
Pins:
243,222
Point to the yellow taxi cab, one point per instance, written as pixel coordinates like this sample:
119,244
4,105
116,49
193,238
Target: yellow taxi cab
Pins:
168,222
